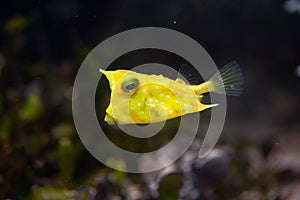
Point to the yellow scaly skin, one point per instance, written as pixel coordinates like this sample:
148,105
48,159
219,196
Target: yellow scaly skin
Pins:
156,98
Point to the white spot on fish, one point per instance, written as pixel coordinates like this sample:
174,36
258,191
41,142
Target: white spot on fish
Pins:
123,100
142,112
139,104
144,91
161,94
132,108
115,106
178,93
156,87
165,108
162,102
168,97
185,105
177,101
191,95
170,111
150,100
155,100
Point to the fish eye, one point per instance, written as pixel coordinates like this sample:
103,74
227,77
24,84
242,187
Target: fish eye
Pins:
130,84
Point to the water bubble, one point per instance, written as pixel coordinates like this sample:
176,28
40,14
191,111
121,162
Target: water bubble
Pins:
174,22
292,6
298,71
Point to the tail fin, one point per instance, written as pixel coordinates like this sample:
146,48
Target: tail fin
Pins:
228,80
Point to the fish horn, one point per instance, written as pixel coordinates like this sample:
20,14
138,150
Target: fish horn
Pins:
102,71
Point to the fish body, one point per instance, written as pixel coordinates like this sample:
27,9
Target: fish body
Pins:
142,98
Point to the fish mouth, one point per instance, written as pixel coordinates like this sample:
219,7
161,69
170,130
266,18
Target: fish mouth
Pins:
109,119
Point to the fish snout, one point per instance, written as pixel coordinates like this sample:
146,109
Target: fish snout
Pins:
109,119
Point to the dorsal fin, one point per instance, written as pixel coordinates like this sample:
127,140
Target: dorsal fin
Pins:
188,75
180,80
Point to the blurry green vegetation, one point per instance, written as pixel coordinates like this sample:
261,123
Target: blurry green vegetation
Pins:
170,185
65,149
32,108
48,193
16,24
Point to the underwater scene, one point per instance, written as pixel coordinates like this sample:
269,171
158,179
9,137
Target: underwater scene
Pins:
150,100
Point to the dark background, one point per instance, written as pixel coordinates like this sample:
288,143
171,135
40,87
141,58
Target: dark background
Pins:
42,44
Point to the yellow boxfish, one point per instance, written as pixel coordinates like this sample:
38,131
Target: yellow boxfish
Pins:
142,98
